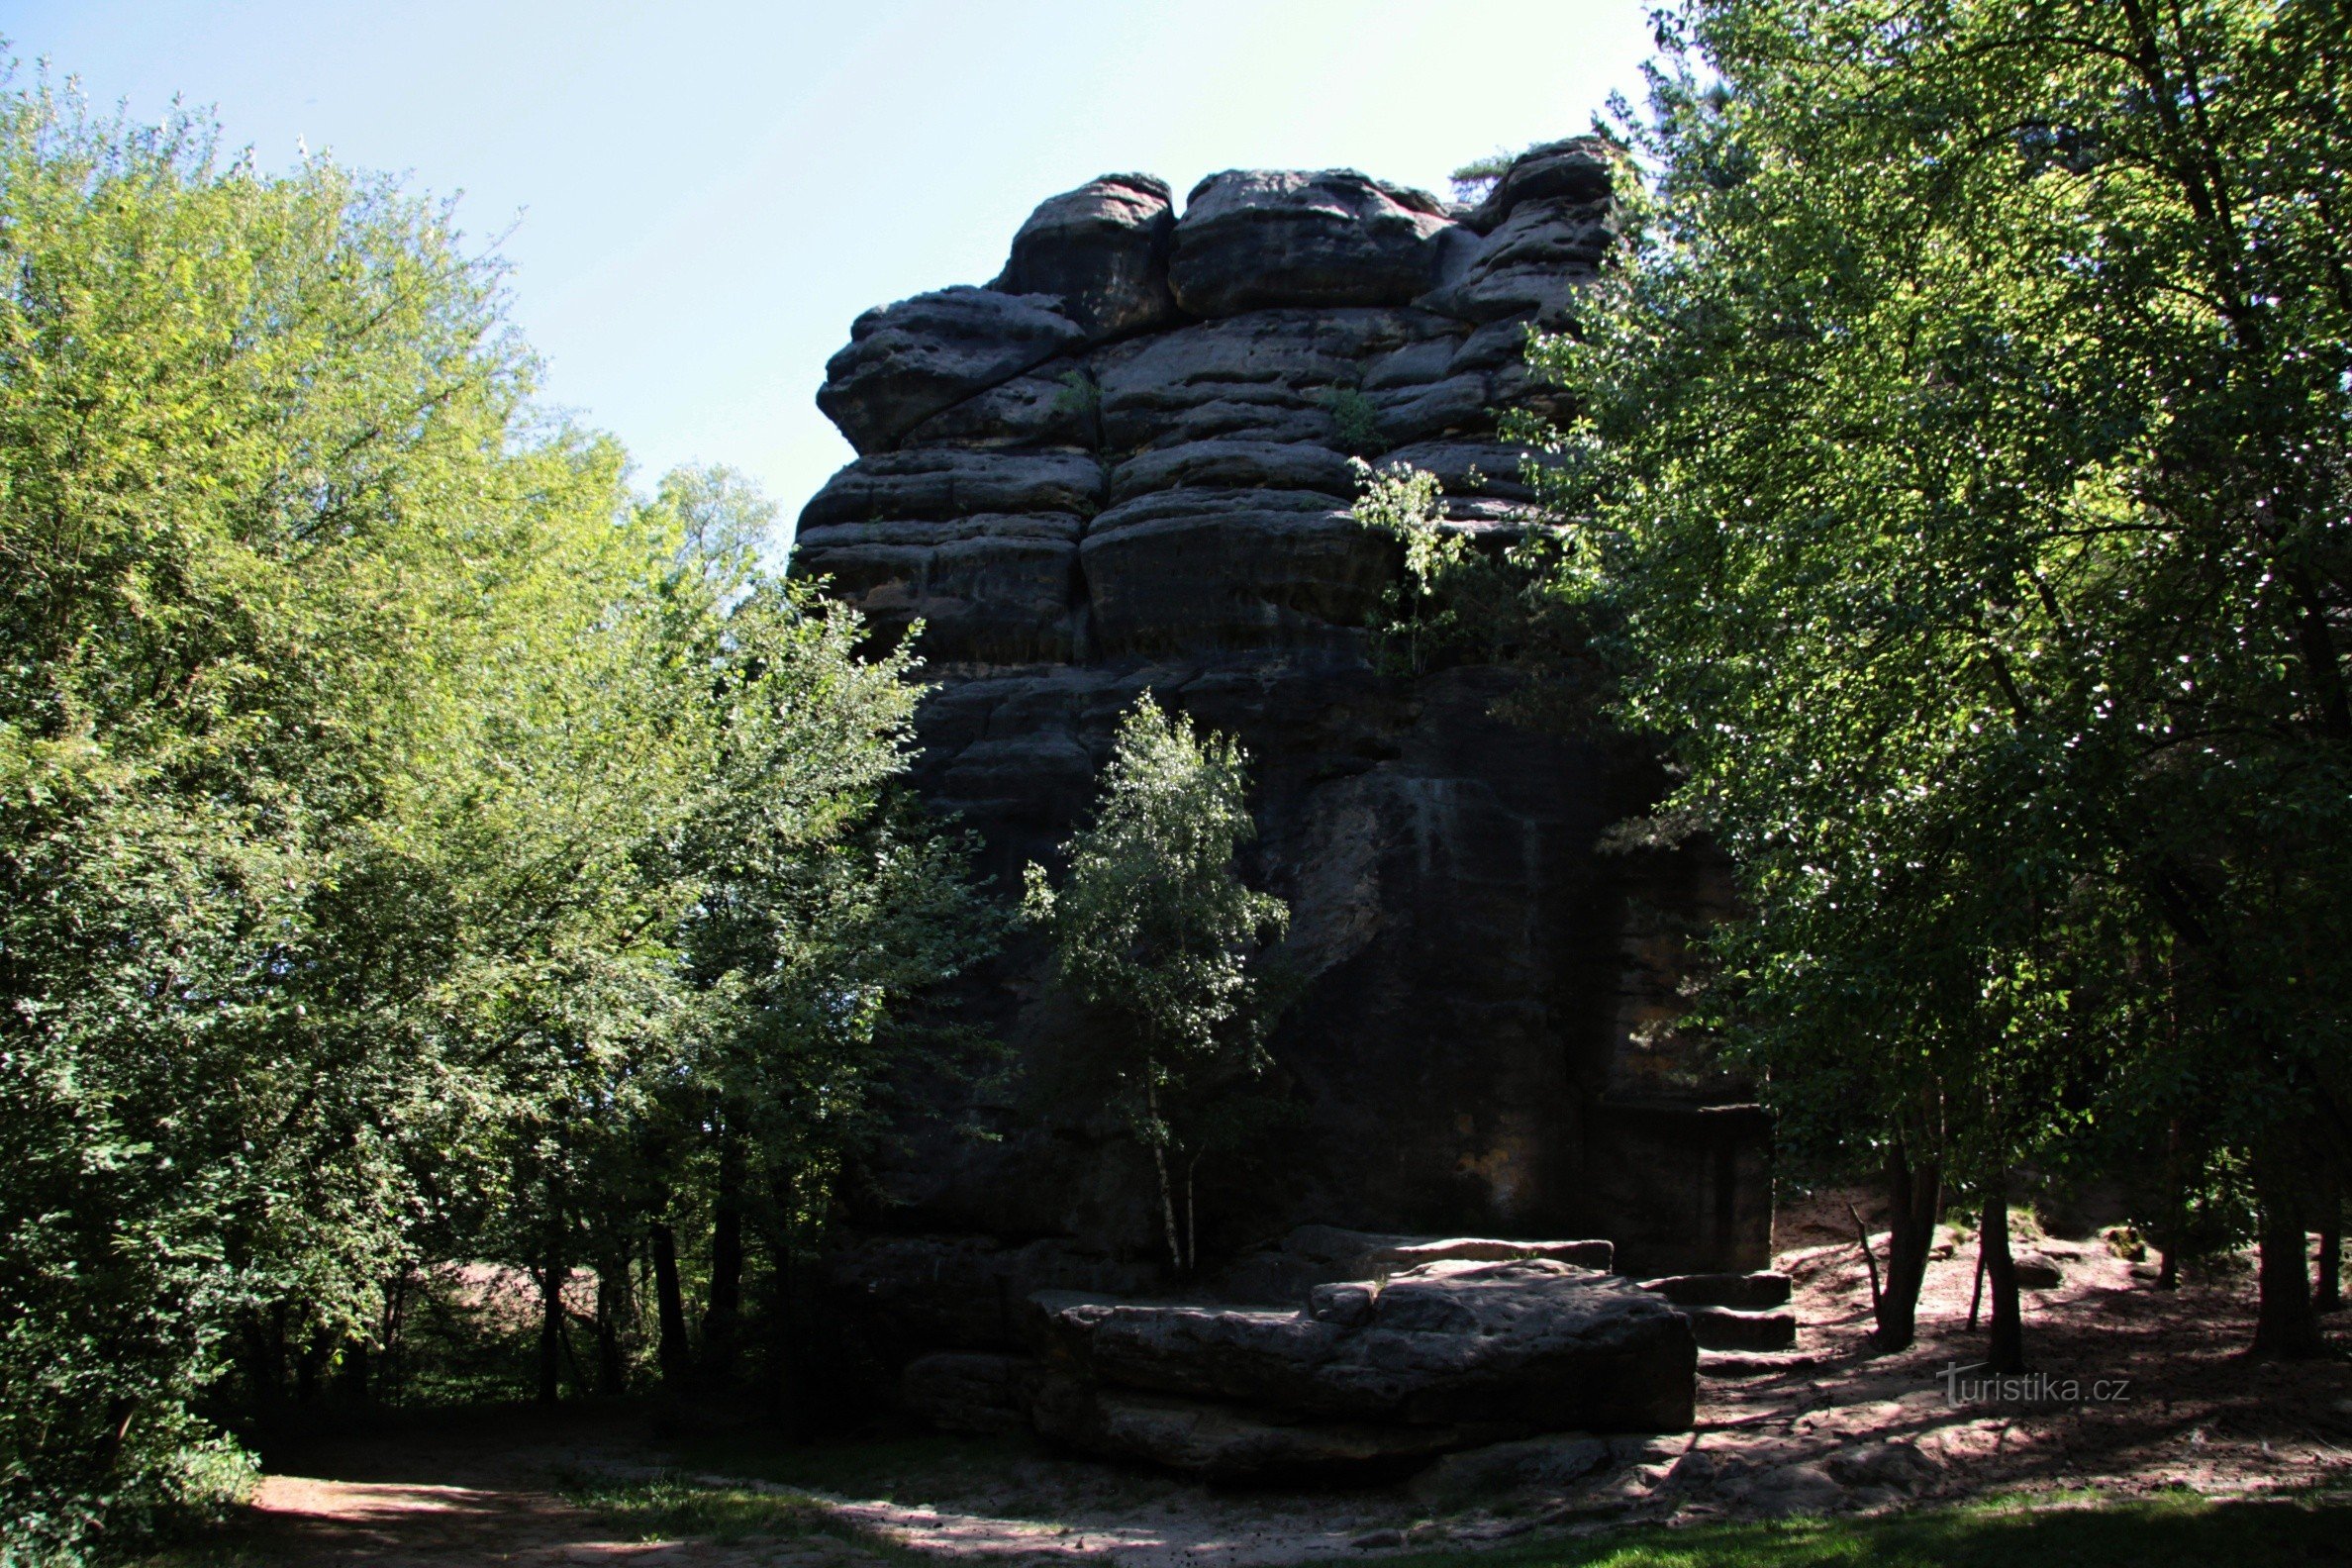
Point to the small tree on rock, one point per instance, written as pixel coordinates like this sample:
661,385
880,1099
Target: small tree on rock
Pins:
1155,935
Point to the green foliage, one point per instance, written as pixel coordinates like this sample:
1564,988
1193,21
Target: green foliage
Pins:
392,809
1502,595
2116,1533
670,1506
1965,453
1455,602
1475,178
1154,934
1355,420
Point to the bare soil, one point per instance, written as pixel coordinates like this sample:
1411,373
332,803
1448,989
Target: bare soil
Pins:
2140,1392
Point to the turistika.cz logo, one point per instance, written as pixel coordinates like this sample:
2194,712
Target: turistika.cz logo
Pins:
1973,1385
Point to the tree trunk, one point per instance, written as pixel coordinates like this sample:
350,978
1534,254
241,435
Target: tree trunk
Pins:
2284,1325
2007,1353
670,1307
788,1352
1915,1198
391,1360
2175,1209
550,1347
2327,1287
719,1320
1159,1163
355,1371
1192,1218
612,1304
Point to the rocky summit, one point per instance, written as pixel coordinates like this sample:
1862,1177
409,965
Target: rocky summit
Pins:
1123,464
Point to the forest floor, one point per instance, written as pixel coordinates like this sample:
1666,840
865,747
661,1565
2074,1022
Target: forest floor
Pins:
2171,1436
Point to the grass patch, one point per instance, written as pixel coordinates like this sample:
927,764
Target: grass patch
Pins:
2187,1531
673,1508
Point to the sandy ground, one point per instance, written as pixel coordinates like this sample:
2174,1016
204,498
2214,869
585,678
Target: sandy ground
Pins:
2139,1391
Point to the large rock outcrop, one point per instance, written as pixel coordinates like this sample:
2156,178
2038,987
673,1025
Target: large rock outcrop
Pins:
1367,1374
1124,466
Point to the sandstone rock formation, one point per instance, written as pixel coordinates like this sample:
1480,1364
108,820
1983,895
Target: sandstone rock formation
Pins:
1443,1356
1123,465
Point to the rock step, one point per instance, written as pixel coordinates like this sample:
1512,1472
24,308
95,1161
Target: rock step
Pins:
1745,1291
1746,1364
1487,1249
1731,1328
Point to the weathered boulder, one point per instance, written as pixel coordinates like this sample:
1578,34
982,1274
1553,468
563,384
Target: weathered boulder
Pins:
1580,169
1532,264
1404,1255
1536,1345
1102,250
2038,1271
1254,238
1731,1328
1226,1442
1746,1291
908,362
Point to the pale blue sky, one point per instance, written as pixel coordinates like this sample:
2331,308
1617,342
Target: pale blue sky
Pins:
708,192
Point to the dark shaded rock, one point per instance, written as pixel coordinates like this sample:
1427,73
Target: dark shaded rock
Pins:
1282,1273
1745,1291
1103,250
1233,466
1470,467
1731,1328
1257,238
1457,405
1184,570
1532,263
910,360
970,1391
937,486
1273,375
1223,1442
1728,1364
1579,169
1541,1345
1549,1464
1496,346
994,589
2037,1271
1055,405
962,1292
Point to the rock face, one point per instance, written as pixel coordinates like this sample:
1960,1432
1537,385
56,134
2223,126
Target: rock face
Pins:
1441,1356
1122,466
